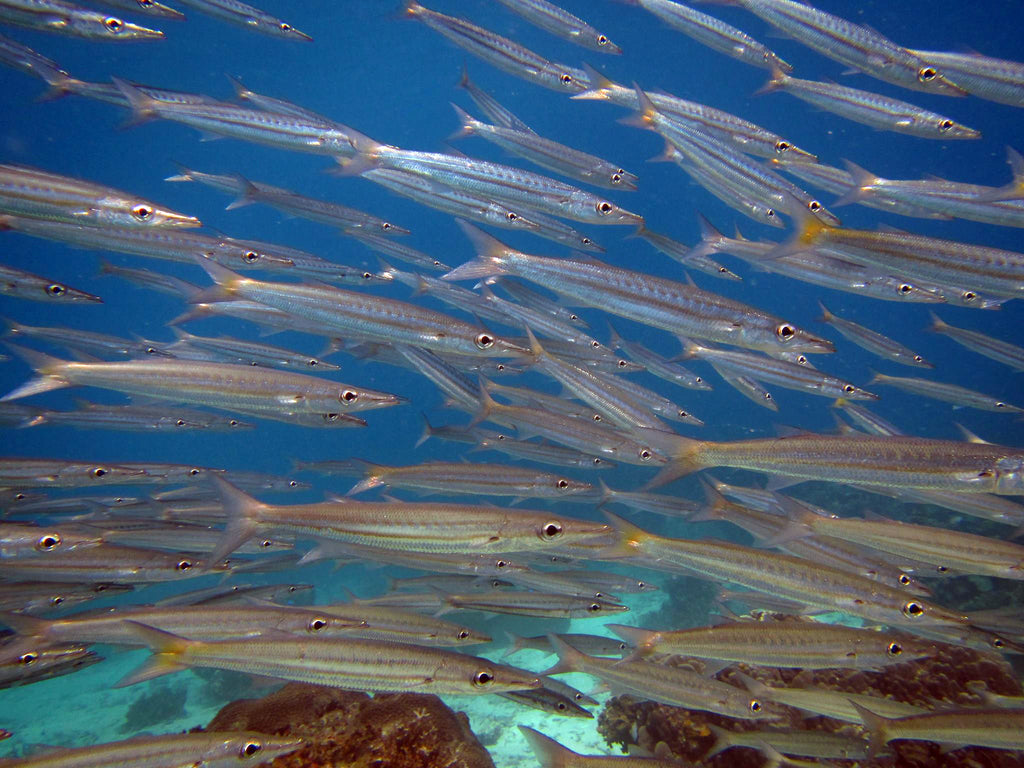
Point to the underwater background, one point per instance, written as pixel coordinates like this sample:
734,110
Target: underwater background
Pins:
392,79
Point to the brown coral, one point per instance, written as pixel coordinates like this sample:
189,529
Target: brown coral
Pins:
943,678
353,730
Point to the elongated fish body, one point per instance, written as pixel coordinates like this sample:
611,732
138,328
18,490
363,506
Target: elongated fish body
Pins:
541,322
412,527
745,135
368,317
14,54
458,477
148,7
996,728
322,211
64,473
895,461
996,349
658,365
397,249
983,76
450,199
291,132
779,372
107,563
655,682
542,452
710,153
928,259
956,550
208,748
25,285
714,33
725,188
803,645
950,393
44,195
219,385
841,182
230,350
550,154
873,341
872,109
852,44
685,256
171,245
503,53
68,19
792,742
351,663
244,15
840,705
560,22
665,304
789,577
504,183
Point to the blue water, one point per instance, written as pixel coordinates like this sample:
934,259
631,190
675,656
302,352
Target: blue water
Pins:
391,79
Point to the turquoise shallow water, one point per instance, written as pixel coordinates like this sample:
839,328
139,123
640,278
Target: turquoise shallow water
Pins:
391,79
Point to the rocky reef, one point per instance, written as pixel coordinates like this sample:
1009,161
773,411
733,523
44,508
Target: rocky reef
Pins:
345,729
939,681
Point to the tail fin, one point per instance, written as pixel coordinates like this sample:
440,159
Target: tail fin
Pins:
723,741
489,255
45,366
776,82
684,462
549,753
142,106
569,659
876,727
467,122
640,639
1015,189
242,512
598,85
862,179
167,648
938,325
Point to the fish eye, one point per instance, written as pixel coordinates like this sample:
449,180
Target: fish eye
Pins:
250,256
48,542
57,600
385,225
349,396
292,484
849,389
179,423
814,206
602,40
561,706
367,275
483,678
769,213
594,607
941,569
997,642
266,543
284,27
562,483
918,359
500,563
597,461
463,634
894,649
767,395
56,289
616,178
927,74
145,3
315,625
782,146
945,125
1000,404
785,331
484,341
99,472
904,288
622,363
597,417
233,422
183,565
142,212
512,216
801,359
645,454
755,706
913,609
551,530
500,367
595,344
566,79
968,296
587,241
250,748
604,207
115,25
904,579
28,658
194,471
312,362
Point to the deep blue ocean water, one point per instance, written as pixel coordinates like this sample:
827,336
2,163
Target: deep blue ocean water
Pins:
392,79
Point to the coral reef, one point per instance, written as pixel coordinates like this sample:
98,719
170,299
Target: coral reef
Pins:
943,678
354,730
156,705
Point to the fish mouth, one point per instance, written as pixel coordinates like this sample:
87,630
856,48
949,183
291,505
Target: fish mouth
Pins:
172,219
629,219
135,31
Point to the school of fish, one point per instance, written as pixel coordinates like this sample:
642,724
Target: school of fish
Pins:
542,353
